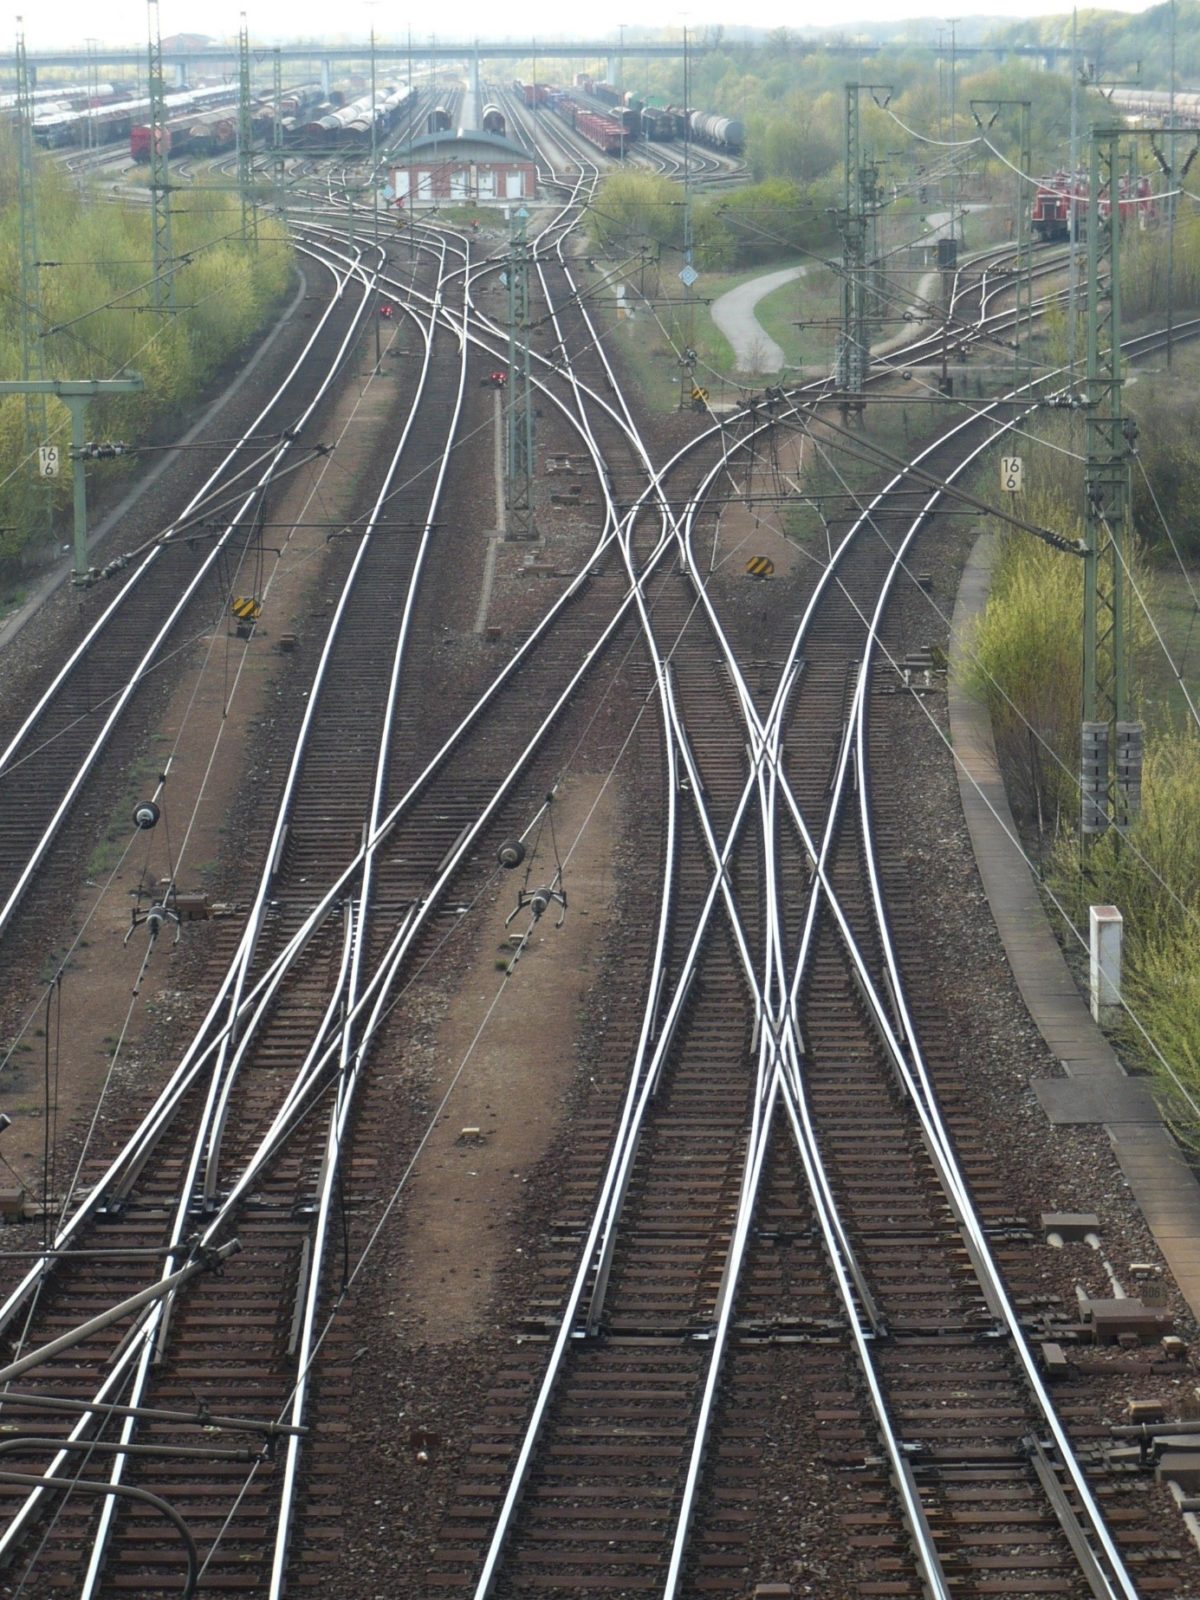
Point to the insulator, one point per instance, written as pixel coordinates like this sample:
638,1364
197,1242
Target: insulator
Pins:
539,900
511,853
146,814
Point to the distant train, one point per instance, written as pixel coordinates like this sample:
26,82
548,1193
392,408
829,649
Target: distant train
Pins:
107,123
725,134
1154,105
722,133
438,121
599,129
349,126
493,120
1062,196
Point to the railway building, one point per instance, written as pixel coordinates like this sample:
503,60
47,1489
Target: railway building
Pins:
463,167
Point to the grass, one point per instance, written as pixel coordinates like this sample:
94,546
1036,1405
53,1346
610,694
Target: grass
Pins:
652,340
1177,615
114,841
1029,641
794,313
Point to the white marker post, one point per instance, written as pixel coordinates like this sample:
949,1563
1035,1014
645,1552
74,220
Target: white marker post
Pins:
1105,925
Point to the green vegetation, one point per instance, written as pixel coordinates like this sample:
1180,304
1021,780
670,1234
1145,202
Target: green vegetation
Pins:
95,319
1028,668
1154,877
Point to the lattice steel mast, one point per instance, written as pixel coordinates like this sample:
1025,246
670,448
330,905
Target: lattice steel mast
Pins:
245,138
33,366
1109,741
520,458
856,223
162,256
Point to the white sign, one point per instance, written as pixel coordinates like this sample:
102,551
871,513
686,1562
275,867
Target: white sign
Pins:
48,460
1011,469
688,276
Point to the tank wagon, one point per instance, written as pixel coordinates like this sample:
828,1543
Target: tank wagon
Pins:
493,120
1154,105
348,127
438,121
720,133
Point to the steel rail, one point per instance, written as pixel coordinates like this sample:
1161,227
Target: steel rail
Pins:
274,458
124,1360
230,1059
206,1138
36,1273
148,1343
351,1060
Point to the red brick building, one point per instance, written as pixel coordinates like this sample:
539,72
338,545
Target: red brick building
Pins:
463,168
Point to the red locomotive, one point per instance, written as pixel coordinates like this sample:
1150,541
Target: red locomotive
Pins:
1059,197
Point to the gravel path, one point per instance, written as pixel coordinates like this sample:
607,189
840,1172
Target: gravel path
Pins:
754,349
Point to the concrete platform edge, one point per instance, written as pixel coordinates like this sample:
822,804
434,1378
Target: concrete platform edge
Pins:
1154,1167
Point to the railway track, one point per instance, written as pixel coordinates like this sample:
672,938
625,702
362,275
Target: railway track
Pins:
737,1222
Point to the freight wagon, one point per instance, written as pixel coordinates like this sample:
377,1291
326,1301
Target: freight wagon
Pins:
597,127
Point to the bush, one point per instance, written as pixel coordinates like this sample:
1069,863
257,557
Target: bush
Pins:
1154,878
94,320
1027,664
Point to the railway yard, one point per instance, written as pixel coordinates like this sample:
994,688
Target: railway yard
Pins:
537,993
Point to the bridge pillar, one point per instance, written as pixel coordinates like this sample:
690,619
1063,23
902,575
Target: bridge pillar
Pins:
475,73
181,75
325,79
610,70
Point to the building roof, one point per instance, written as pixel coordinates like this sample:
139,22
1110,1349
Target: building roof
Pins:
464,146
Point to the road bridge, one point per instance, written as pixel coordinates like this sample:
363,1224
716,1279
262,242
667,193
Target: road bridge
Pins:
395,56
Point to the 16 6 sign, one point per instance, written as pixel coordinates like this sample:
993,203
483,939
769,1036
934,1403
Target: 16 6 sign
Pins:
1012,469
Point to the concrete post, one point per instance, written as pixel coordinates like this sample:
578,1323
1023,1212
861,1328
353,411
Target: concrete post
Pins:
325,78
1105,925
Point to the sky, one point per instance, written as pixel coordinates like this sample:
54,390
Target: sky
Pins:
66,23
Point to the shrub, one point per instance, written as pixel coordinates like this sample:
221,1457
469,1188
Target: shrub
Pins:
94,320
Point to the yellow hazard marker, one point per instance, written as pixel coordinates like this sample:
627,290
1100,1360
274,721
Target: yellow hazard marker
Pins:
760,566
700,394
246,608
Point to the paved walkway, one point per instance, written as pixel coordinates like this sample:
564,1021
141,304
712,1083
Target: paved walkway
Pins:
754,350
1096,1088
